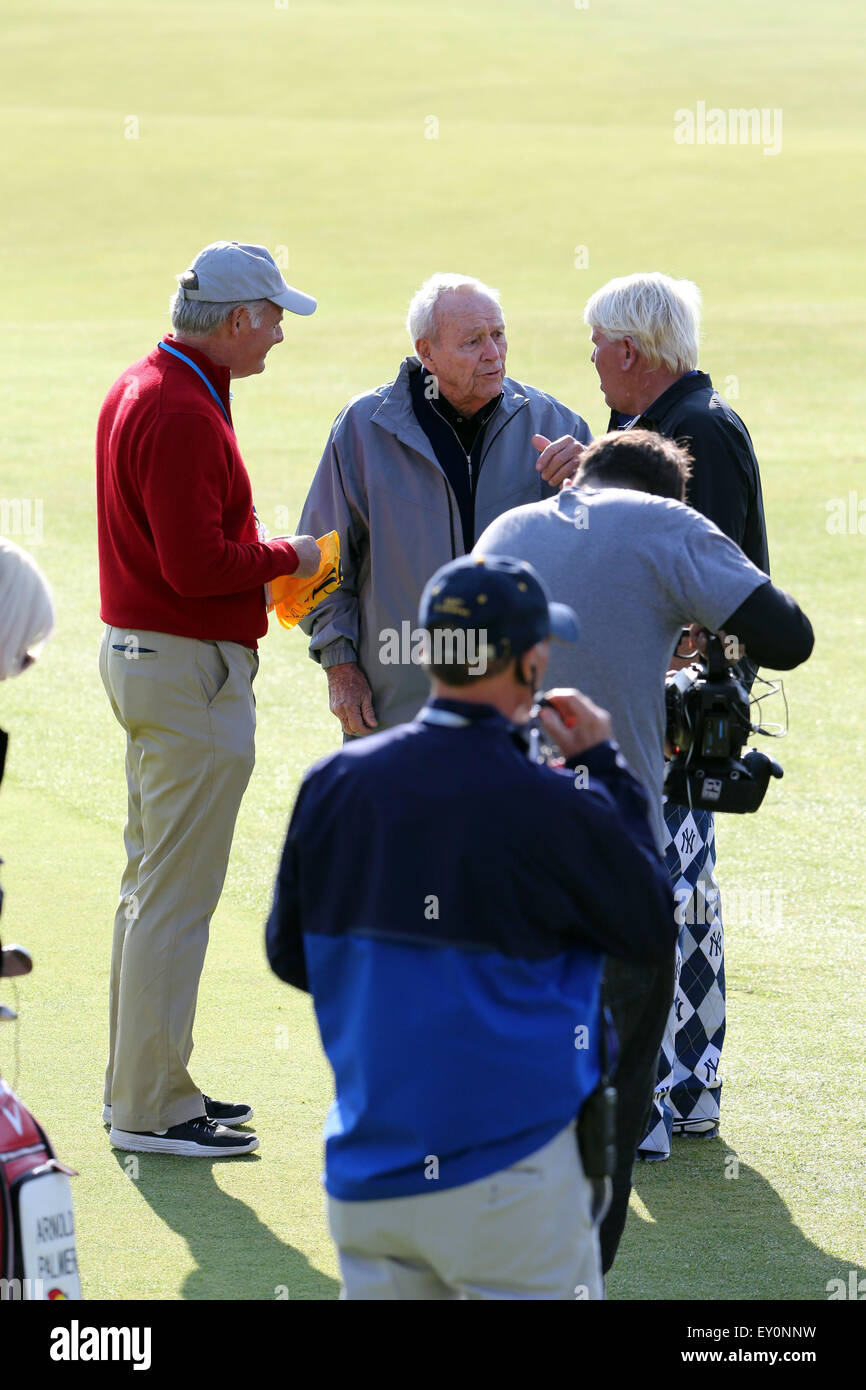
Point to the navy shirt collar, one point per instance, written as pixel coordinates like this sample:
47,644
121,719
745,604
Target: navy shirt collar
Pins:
469,710
455,417
692,381
466,427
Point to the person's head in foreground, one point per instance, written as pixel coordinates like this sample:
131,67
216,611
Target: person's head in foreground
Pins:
640,460
457,329
645,334
230,304
26,610
489,622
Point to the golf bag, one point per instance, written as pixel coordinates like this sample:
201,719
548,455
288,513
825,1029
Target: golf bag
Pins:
37,1231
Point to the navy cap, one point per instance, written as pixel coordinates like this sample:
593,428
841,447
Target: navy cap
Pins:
507,599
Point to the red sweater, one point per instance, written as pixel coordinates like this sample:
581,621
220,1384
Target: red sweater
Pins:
177,537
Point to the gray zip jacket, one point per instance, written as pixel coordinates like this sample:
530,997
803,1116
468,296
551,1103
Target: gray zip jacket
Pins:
380,486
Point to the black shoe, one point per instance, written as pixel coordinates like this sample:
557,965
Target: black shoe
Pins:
219,1110
198,1138
226,1114
697,1129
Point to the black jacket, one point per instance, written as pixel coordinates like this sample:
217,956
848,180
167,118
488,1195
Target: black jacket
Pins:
725,484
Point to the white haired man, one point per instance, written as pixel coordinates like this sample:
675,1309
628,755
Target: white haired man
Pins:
645,333
412,472
182,569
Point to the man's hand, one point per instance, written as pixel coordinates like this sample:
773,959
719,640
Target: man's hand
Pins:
559,460
733,648
308,553
350,698
686,651
575,723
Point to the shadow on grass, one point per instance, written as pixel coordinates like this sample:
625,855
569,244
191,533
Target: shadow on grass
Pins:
717,1230
237,1256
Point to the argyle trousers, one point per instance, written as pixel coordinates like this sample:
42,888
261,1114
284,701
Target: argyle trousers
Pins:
688,1089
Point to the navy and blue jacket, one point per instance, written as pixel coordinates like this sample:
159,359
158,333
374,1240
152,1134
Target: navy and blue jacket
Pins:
448,903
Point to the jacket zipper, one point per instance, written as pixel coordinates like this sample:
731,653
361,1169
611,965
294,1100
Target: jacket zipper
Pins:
448,489
468,457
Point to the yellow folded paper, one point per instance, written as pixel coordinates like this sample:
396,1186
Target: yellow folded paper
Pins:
293,598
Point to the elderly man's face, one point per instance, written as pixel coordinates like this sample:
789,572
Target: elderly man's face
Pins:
467,355
609,358
252,344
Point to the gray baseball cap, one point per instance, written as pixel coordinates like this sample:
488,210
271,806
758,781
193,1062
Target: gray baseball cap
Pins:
228,272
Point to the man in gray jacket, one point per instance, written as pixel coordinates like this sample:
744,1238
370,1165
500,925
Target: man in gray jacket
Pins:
412,472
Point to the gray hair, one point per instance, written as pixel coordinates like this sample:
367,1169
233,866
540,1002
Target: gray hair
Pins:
662,315
421,318
198,318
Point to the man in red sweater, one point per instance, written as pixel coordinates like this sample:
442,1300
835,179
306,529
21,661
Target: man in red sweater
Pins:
182,569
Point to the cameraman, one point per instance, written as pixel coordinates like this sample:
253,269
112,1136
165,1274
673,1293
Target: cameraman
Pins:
639,566
456,989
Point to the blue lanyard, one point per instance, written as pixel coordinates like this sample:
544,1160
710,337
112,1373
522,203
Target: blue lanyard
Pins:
198,371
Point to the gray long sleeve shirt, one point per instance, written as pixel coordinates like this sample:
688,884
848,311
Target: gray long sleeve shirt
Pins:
636,569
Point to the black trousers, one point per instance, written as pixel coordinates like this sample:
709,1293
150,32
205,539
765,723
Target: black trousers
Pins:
639,998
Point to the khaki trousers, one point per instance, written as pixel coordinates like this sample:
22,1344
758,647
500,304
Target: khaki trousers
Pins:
188,711
526,1232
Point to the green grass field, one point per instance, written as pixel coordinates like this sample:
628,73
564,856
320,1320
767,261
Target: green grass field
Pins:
305,127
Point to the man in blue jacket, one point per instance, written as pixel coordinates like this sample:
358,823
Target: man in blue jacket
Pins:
453,941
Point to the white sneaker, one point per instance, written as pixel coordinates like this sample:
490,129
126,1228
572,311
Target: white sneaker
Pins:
198,1138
